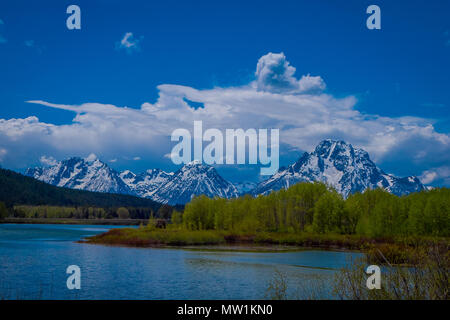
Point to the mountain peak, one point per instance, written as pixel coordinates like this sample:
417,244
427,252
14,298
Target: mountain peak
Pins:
194,163
328,148
85,174
345,168
193,179
196,166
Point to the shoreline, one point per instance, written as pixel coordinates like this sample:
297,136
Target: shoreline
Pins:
112,222
228,247
391,251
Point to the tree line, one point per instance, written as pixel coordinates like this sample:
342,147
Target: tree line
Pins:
44,211
316,207
17,189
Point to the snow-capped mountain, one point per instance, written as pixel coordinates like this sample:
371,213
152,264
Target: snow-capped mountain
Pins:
192,179
340,165
173,188
85,174
146,183
336,163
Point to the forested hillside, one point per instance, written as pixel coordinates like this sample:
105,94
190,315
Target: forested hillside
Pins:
16,189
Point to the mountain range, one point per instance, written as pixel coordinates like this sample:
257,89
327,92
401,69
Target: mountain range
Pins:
336,163
172,188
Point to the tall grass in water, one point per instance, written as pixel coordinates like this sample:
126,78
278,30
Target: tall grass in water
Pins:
150,236
426,277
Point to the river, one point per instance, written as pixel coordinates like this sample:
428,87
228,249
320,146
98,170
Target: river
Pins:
34,258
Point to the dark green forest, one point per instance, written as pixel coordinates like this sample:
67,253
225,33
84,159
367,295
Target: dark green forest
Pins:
316,208
39,199
19,189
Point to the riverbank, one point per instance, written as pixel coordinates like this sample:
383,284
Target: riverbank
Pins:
378,250
111,222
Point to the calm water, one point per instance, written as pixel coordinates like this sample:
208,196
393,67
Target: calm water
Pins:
34,258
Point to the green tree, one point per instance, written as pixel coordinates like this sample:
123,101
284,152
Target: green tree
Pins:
3,211
329,213
177,217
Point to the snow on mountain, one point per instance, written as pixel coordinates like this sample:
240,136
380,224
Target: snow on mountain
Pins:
173,188
340,165
192,179
85,174
336,163
146,183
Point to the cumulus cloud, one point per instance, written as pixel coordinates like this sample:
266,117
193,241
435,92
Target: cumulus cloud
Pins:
309,84
303,119
275,74
129,43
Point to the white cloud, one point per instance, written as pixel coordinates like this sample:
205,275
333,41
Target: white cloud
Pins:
137,158
303,120
129,43
275,74
436,175
113,160
48,161
309,84
91,157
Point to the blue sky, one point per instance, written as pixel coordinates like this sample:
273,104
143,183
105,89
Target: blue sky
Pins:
399,74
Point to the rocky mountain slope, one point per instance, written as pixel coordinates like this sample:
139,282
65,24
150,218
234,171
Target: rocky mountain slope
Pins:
340,165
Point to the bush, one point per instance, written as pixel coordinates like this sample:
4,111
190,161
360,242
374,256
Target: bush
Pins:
426,278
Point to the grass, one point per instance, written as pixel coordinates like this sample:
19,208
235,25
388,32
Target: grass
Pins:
426,279
379,250
147,237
